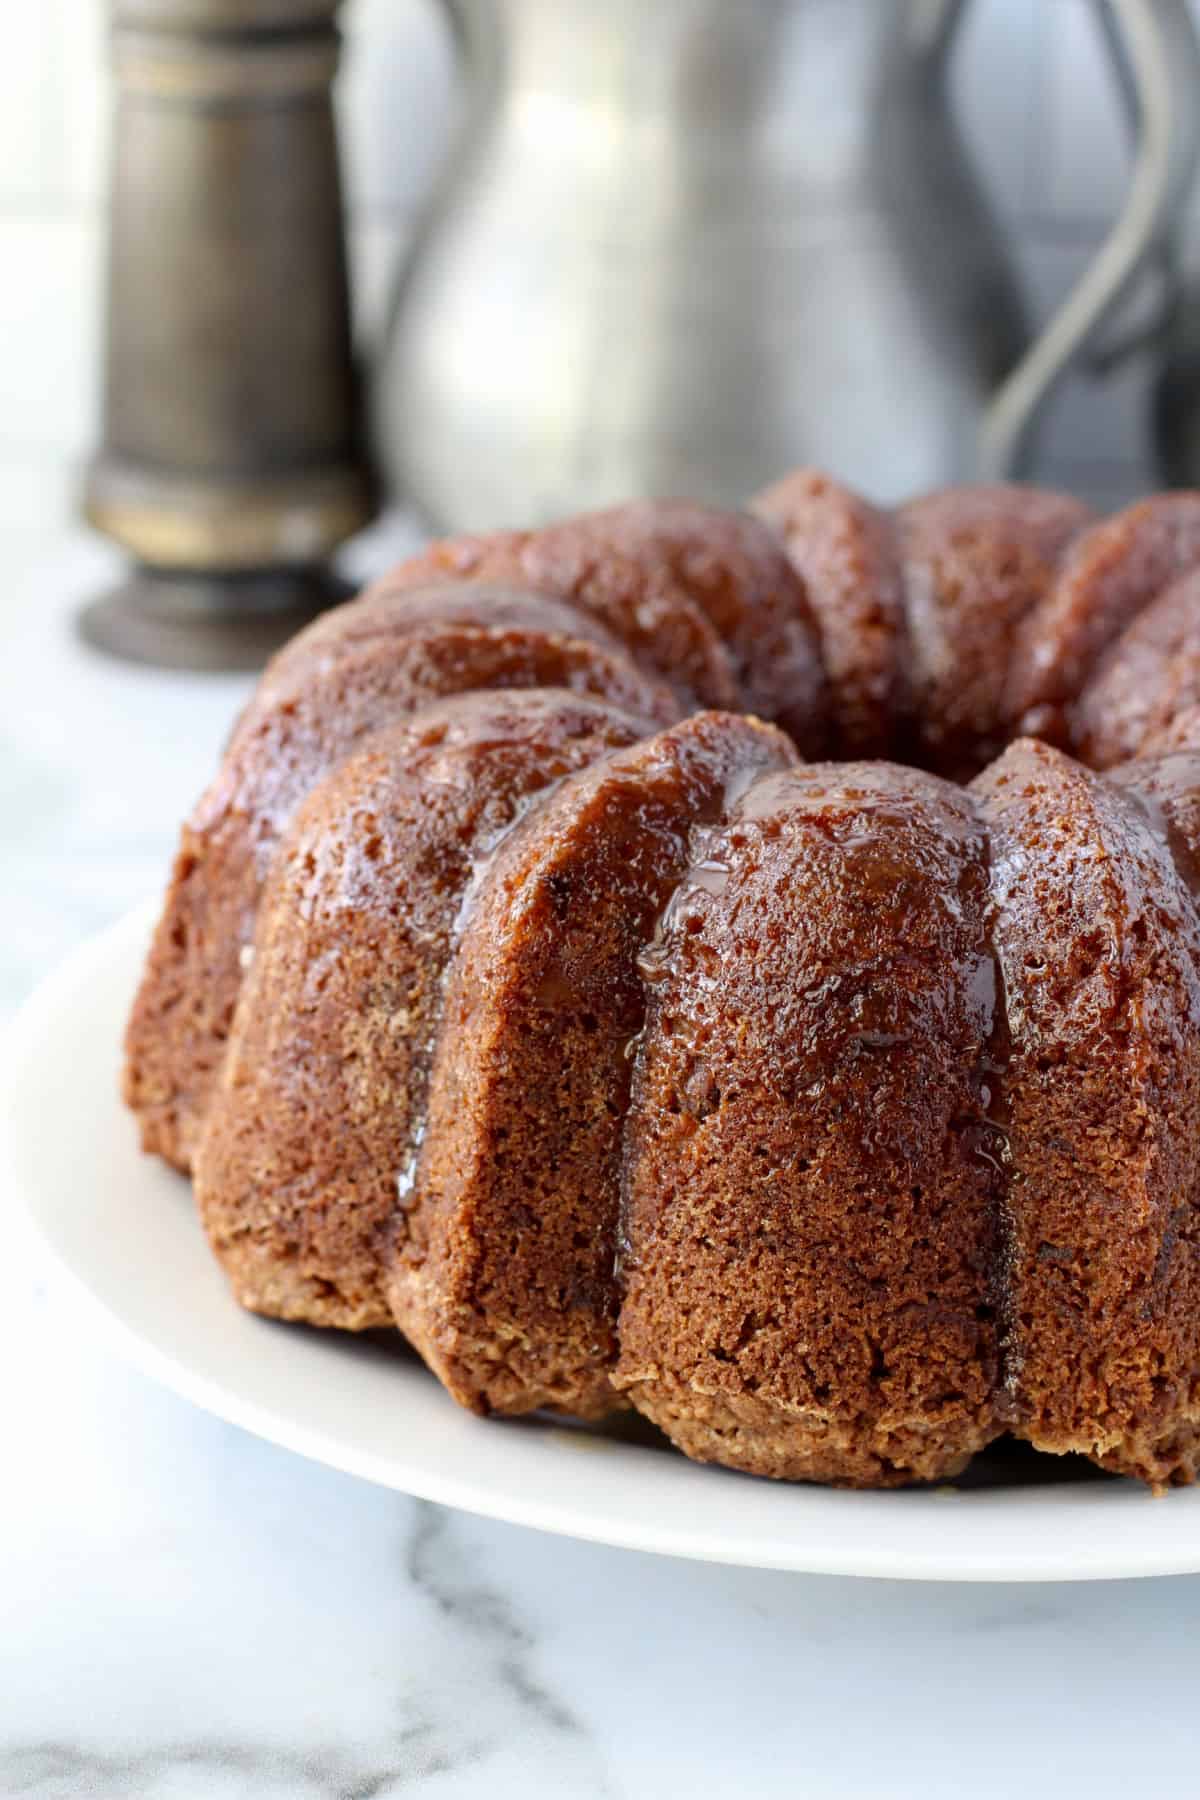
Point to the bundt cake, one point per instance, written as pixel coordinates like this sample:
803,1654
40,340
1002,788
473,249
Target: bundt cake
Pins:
505,1281
811,1210
318,1109
380,660
557,970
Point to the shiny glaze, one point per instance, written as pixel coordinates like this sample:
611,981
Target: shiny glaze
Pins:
976,562
358,923
506,1278
1146,678
805,1117
1109,574
1098,941
844,551
308,715
627,586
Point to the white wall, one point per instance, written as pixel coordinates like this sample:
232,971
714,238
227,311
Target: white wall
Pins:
1029,74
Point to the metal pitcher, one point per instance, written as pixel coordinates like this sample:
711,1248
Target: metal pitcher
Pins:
685,246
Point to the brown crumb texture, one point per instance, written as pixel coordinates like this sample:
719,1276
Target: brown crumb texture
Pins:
732,566
1180,733
1098,943
315,705
1108,576
844,551
626,585
811,1182
382,614
1144,681
1167,788
306,1162
976,561
504,1278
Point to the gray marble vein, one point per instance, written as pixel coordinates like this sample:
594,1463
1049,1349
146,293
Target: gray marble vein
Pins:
441,1566
63,1771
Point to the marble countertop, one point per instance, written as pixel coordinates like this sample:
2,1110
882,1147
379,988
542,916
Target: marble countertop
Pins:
189,1614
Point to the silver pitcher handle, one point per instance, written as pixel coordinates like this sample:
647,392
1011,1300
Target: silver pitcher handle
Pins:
1154,45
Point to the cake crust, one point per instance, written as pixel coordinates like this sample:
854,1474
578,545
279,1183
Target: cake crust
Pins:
810,1198
845,552
1146,679
505,1280
976,562
1099,950
633,596
304,1169
321,698
1109,574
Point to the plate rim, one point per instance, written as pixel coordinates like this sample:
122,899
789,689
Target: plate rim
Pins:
1121,1553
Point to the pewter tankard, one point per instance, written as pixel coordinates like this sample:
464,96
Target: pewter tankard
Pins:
686,245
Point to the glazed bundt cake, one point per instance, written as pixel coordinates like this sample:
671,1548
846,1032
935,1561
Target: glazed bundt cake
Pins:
557,970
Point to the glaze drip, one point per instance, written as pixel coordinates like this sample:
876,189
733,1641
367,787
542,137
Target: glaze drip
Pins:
996,1138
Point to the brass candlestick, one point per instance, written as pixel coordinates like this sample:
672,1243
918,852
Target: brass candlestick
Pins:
231,463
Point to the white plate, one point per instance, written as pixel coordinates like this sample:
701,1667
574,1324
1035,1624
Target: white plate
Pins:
124,1228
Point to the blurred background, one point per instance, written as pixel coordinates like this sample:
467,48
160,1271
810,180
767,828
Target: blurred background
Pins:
1030,85
394,96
